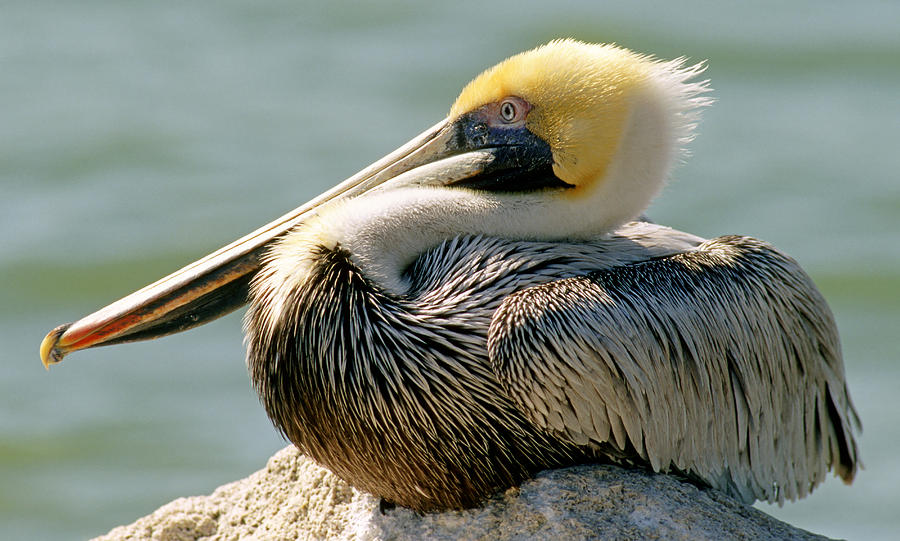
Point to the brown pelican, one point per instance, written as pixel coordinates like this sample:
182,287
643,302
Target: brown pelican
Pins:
480,305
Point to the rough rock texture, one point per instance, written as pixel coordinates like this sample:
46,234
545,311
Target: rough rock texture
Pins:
293,498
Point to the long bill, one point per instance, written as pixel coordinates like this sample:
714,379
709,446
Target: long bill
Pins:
219,283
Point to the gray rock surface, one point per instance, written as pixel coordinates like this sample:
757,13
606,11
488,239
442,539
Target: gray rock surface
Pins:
293,498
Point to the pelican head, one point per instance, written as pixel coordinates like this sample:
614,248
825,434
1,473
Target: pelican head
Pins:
566,141
613,122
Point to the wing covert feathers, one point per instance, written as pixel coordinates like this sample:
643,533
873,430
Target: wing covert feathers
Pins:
722,363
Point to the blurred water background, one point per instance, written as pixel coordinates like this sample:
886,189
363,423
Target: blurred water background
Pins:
138,136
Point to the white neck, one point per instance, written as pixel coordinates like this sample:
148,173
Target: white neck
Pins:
384,232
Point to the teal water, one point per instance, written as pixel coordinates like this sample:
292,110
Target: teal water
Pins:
135,137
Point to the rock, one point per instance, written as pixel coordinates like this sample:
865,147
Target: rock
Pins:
293,498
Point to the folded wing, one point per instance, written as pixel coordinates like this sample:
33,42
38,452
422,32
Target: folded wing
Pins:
722,363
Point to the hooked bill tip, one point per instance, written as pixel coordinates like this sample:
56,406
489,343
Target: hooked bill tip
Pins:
50,352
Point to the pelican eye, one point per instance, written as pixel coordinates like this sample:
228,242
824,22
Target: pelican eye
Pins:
508,111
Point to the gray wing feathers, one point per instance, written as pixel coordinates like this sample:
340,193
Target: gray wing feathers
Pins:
722,363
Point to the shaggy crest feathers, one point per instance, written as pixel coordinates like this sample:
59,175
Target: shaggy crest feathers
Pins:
584,97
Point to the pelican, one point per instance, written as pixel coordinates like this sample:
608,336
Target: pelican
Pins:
487,302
